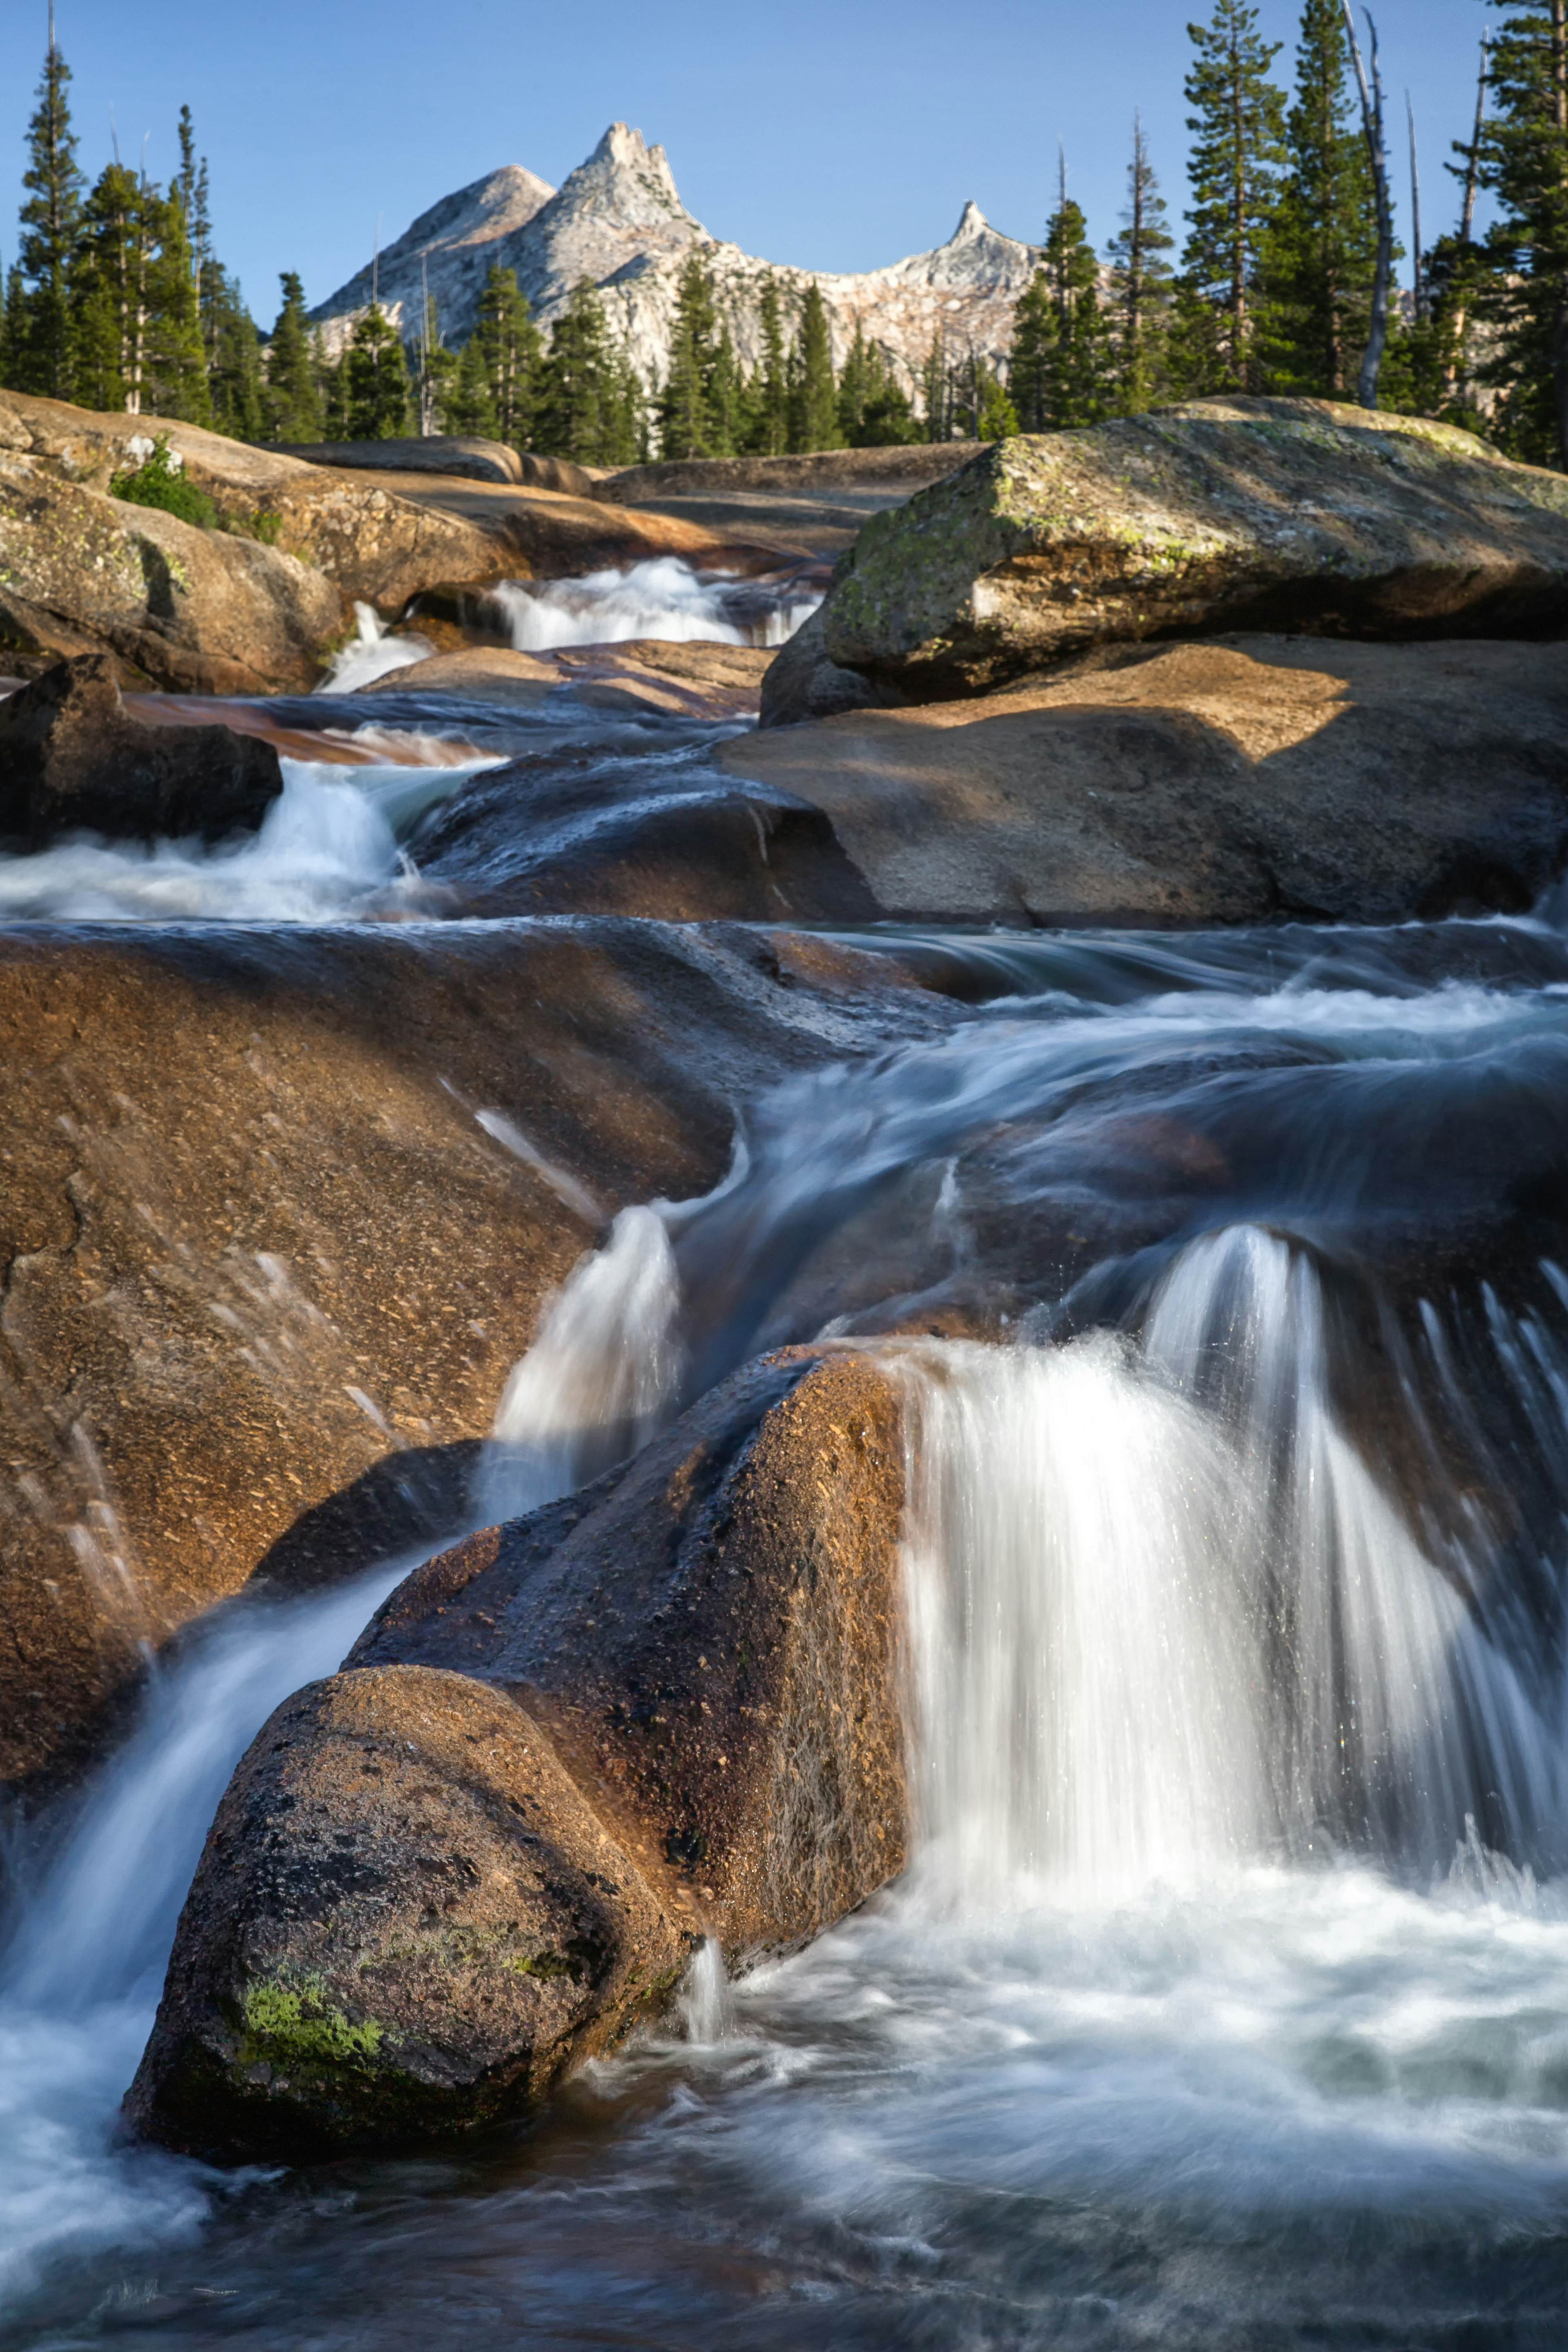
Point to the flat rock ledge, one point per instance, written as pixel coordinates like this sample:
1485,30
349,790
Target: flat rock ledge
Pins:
663,1709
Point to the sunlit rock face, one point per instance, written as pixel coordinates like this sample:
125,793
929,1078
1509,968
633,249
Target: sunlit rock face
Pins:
619,221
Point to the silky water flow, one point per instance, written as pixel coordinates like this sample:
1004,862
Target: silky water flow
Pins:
1225,2002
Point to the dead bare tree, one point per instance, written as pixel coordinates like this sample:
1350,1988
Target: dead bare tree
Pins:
1377,152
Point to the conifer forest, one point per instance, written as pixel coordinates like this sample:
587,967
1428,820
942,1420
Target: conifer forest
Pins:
1294,268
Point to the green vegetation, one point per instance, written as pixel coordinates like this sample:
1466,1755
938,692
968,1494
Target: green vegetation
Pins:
292,2025
117,299
160,482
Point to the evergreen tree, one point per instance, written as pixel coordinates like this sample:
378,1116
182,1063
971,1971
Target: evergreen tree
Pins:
874,410
769,434
293,402
1238,152
233,358
435,373
39,335
1141,289
469,407
685,419
375,380
812,403
513,351
111,292
1077,362
935,404
1524,160
176,361
1031,363
1321,246
582,395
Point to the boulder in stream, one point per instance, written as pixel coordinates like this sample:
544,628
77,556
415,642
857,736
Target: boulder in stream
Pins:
1217,515
72,759
664,1709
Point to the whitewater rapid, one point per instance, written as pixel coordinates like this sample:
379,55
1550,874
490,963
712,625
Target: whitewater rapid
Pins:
1225,2001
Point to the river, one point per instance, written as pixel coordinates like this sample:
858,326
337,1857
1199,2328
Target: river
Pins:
1225,2003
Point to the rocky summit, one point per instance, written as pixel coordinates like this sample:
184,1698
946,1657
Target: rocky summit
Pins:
618,221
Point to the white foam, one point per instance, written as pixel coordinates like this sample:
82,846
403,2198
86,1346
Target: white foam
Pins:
371,653
663,597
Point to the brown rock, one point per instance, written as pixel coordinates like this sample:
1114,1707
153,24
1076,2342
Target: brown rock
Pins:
254,1243
407,1924
467,454
72,758
192,610
1218,514
802,683
424,1899
695,680
1227,782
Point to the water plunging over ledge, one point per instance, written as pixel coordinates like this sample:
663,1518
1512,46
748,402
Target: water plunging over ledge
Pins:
1225,2001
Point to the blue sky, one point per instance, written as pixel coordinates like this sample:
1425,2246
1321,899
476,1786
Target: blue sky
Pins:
831,133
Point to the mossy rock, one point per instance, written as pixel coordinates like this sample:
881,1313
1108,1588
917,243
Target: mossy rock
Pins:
1216,515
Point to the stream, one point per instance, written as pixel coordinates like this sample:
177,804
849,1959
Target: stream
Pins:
1225,2003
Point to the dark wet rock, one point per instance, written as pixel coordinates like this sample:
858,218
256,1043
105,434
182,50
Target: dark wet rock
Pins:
665,1707
254,1240
1222,782
575,831
72,759
467,454
408,1923
1220,515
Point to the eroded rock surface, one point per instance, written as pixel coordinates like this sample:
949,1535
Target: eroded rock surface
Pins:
1218,514
72,758
1219,782
665,1707
254,1238
190,610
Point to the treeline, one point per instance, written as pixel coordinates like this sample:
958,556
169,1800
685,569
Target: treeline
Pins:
1282,284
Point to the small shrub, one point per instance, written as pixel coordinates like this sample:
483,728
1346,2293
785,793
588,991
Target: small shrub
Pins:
159,481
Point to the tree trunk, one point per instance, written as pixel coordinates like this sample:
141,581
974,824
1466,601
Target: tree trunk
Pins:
1372,122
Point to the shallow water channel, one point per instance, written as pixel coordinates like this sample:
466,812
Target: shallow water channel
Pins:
1225,2001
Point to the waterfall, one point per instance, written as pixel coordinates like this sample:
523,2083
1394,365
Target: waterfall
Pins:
1164,1617
662,597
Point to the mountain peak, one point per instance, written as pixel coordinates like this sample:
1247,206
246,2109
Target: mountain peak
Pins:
627,179
972,222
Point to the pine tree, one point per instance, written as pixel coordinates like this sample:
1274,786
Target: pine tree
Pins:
1239,152
375,380
874,410
1031,363
176,360
1078,361
578,390
1141,289
770,431
513,354
111,290
233,358
293,404
1321,247
813,408
1524,160
39,337
935,404
689,422
470,408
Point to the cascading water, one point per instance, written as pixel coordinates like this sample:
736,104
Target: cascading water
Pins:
1226,2002
663,597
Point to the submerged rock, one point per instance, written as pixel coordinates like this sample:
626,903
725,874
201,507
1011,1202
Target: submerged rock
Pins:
664,1709
1221,514
72,759
1219,782
572,832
